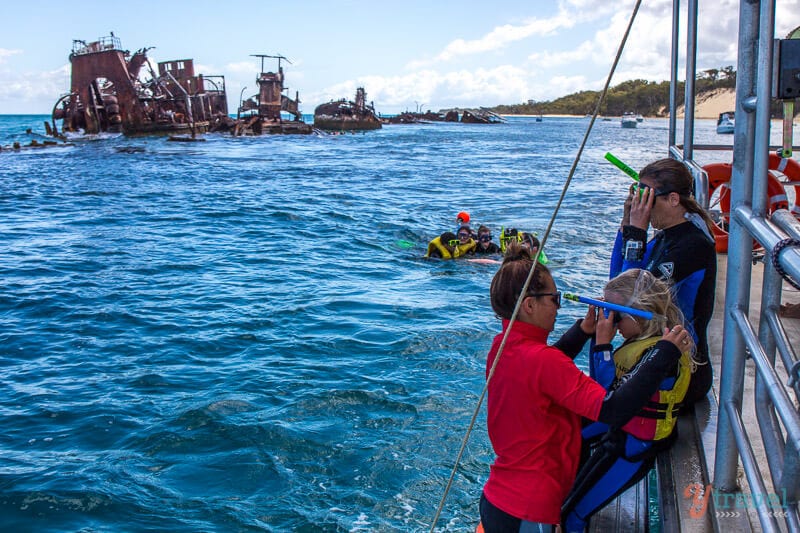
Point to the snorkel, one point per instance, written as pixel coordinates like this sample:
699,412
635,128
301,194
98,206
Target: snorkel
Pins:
608,306
622,166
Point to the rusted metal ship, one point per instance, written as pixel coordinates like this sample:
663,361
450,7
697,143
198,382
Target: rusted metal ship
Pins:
261,113
480,116
107,95
344,115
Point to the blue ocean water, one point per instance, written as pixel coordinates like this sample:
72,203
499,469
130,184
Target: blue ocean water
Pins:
229,335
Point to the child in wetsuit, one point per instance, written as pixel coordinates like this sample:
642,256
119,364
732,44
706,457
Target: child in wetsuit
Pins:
621,456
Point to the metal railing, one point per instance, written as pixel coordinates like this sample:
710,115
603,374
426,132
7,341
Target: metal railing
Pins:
778,432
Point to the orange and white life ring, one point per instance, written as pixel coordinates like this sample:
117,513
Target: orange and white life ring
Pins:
719,177
791,169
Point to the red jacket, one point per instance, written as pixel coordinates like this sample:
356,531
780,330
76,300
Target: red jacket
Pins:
536,399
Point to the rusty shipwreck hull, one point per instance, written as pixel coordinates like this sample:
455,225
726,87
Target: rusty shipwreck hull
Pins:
107,94
261,113
343,115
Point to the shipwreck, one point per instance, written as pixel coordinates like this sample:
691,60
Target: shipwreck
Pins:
262,112
344,115
107,94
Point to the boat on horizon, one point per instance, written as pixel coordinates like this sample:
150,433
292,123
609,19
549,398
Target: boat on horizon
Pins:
628,120
725,122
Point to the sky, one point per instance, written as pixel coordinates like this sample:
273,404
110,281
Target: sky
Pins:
408,55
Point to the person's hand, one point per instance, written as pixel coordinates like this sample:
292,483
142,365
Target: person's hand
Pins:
606,329
640,208
678,336
626,207
589,322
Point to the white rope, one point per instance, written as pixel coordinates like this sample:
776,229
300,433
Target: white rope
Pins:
524,291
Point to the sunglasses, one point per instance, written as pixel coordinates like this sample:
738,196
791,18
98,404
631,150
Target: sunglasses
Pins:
485,238
656,192
556,296
463,235
619,317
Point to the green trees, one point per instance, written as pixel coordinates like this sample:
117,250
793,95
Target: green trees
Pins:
639,96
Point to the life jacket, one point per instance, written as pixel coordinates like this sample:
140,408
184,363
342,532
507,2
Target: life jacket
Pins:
465,248
658,417
458,251
436,244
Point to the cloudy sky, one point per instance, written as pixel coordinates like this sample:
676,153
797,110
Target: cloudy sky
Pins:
409,54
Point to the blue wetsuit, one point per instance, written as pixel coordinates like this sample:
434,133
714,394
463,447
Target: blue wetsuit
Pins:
683,255
618,460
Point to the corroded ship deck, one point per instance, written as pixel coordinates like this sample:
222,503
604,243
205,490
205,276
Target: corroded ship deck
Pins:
107,94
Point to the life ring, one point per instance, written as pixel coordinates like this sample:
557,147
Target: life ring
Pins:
719,176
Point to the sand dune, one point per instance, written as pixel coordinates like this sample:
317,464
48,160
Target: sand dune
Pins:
710,104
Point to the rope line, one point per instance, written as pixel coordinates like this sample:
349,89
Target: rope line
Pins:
778,268
524,290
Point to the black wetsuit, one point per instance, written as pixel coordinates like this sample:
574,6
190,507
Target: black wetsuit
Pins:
683,255
491,250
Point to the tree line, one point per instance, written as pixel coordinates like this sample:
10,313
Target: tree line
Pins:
638,96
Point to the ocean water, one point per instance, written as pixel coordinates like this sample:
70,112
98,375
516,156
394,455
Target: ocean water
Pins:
230,335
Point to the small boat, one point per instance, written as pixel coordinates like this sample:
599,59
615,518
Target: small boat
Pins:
628,120
725,122
639,118
539,118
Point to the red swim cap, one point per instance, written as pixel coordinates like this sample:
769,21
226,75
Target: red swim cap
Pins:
464,216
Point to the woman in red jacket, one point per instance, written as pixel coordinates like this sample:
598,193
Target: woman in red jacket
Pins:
537,396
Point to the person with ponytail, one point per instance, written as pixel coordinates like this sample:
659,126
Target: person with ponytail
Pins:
681,252
623,454
537,396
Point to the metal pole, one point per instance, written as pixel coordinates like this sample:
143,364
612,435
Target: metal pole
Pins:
673,86
691,73
239,109
740,246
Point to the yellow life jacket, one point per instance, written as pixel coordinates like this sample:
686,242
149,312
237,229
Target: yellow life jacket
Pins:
465,248
458,251
665,408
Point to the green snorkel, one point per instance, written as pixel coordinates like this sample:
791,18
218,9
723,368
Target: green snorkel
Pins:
622,166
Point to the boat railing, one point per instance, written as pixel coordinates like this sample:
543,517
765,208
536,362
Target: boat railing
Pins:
109,42
773,494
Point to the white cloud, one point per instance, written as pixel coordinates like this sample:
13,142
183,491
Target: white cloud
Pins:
458,88
548,59
498,38
20,92
5,52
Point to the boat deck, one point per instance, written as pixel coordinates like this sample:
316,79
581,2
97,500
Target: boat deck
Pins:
689,465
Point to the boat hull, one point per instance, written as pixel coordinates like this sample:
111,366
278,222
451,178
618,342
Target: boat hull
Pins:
333,123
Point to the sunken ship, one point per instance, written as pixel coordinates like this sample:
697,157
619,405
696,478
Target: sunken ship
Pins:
262,112
107,94
344,115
